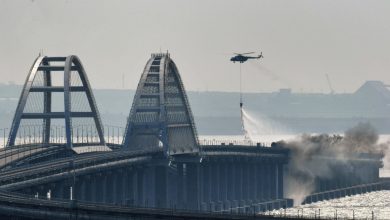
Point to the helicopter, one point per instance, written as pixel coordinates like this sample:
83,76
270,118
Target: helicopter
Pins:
241,58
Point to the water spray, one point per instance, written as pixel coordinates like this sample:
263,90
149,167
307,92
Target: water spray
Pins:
242,114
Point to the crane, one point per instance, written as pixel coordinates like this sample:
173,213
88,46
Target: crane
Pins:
329,84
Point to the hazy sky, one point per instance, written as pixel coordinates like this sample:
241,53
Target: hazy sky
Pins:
301,40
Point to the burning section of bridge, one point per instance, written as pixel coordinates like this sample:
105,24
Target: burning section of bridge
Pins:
327,162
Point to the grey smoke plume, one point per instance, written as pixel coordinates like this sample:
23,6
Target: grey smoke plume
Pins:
314,156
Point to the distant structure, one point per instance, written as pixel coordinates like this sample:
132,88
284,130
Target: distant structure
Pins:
47,77
160,114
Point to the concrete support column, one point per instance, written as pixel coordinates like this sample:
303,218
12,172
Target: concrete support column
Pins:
224,181
78,193
260,179
105,188
58,191
280,194
100,188
245,182
206,182
201,183
180,185
161,187
252,182
231,180
134,190
124,195
111,186
82,188
237,181
273,177
93,188
130,188
150,189
192,183
215,182
117,187
89,188
171,187
266,181
140,187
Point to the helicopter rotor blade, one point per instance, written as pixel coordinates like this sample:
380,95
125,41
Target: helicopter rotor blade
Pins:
247,53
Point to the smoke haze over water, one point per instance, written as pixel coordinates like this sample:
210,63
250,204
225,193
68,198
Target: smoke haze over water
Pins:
314,156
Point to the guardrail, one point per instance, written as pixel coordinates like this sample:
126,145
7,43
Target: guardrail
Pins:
348,191
217,142
81,134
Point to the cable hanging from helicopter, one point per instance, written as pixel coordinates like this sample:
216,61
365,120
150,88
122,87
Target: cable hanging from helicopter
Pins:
241,58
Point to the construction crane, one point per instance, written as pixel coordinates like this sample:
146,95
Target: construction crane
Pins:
329,84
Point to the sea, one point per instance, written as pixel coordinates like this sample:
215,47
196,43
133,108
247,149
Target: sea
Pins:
373,205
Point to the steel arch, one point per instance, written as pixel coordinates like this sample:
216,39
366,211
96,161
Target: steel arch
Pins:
42,63
160,113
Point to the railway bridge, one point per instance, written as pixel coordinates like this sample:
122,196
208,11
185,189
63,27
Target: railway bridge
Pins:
64,153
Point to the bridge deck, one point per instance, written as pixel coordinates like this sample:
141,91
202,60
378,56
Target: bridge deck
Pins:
17,205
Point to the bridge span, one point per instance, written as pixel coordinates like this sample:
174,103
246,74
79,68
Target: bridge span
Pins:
160,164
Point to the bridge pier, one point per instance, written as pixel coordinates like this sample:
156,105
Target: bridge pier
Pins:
273,180
109,187
252,182
123,189
224,181
140,187
192,189
279,182
58,190
214,182
238,179
93,188
230,182
206,189
161,187
117,186
100,187
106,188
134,190
180,186
245,181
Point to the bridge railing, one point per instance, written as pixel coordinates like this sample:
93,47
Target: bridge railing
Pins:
81,134
113,134
348,191
221,142
86,134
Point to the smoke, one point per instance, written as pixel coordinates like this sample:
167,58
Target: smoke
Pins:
319,156
386,162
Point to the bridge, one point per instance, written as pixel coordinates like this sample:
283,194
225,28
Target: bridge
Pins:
65,156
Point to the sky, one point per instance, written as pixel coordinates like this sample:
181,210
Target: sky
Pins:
301,40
